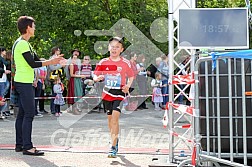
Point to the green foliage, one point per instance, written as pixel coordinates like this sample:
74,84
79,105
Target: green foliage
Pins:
220,3
57,20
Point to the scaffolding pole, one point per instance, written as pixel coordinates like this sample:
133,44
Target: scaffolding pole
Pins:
172,8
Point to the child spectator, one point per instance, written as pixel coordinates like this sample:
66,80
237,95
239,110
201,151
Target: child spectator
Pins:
89,85
58,89
157,93
53,72
86,70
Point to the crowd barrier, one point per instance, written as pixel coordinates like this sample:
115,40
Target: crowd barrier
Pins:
222,113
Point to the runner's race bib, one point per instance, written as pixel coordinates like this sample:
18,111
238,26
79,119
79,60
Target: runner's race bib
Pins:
113,82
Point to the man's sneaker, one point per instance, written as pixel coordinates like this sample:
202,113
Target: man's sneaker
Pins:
38,115
6,114
2,117
39,112
112,152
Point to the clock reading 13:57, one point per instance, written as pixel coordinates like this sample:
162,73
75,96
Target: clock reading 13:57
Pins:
220,28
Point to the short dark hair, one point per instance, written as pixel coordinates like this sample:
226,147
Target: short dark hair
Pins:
2,48
54,49
120,40
23,22
76,50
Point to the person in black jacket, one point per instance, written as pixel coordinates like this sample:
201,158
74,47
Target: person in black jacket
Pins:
3,72
7,58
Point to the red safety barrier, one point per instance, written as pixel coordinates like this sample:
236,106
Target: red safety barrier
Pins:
194,156
182,108
186,126
183,79
180,136
89,97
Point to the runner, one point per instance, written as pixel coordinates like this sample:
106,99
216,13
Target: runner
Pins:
114,71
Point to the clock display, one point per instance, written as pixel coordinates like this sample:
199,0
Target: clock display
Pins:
221,28
213,28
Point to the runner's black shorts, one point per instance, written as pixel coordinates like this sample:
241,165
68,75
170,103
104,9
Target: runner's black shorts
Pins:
116,105
109,106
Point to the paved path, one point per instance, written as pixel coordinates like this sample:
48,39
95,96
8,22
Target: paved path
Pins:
83,140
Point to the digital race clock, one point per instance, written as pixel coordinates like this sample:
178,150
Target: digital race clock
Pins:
213,28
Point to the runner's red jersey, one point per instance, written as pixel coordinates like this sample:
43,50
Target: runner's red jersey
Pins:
115,77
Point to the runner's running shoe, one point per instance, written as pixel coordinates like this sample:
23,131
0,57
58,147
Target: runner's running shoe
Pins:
112,152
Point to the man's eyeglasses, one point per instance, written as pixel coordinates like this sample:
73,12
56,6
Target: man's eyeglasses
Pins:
86,59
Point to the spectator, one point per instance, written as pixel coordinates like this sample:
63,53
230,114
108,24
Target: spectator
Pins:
43,74
3,54
8,57
132,58
58,89
142,81
3,73
37,89
86,70
74,85
13,93
89,85
164,70
156,84
54,71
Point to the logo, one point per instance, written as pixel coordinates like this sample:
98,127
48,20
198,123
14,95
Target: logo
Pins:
119,69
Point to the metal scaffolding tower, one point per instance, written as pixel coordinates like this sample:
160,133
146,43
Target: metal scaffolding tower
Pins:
174,6
176,137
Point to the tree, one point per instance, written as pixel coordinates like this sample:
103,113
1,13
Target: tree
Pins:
57,20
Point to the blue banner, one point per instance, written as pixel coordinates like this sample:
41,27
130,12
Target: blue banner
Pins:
243,54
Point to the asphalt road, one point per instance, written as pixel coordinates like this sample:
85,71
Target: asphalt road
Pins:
83,140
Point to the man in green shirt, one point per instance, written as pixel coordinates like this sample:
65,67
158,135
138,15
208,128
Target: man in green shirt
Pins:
26,60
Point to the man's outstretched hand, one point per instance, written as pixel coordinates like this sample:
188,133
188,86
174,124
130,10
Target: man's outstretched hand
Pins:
58,59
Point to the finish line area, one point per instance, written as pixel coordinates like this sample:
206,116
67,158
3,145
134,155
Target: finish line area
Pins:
141,134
